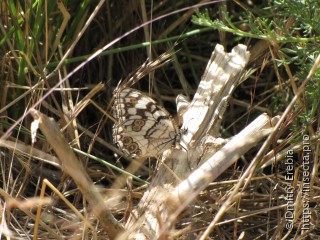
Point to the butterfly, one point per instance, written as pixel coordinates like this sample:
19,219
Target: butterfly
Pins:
142,127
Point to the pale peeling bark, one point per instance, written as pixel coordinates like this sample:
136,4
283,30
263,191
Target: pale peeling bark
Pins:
172,190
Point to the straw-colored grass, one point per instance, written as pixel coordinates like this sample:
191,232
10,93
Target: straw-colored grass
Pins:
46,50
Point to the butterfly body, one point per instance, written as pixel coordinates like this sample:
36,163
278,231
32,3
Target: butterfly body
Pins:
142,127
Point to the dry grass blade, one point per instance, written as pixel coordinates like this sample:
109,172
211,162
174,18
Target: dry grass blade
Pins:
71,165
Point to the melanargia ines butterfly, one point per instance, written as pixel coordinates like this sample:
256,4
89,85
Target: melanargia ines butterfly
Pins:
142,127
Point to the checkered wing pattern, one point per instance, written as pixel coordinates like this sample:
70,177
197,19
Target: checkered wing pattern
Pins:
142,128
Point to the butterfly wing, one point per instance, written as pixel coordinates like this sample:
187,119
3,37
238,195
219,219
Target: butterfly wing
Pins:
142,127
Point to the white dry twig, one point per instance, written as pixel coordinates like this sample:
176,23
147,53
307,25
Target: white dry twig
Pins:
194,166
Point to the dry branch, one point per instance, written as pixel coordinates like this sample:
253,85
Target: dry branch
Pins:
171,190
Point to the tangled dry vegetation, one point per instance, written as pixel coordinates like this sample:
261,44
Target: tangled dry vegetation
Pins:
61,175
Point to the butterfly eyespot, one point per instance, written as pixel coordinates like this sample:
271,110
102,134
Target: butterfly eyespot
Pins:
133,147
139,122
136,128
142,128
127,140
137,125
138,152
